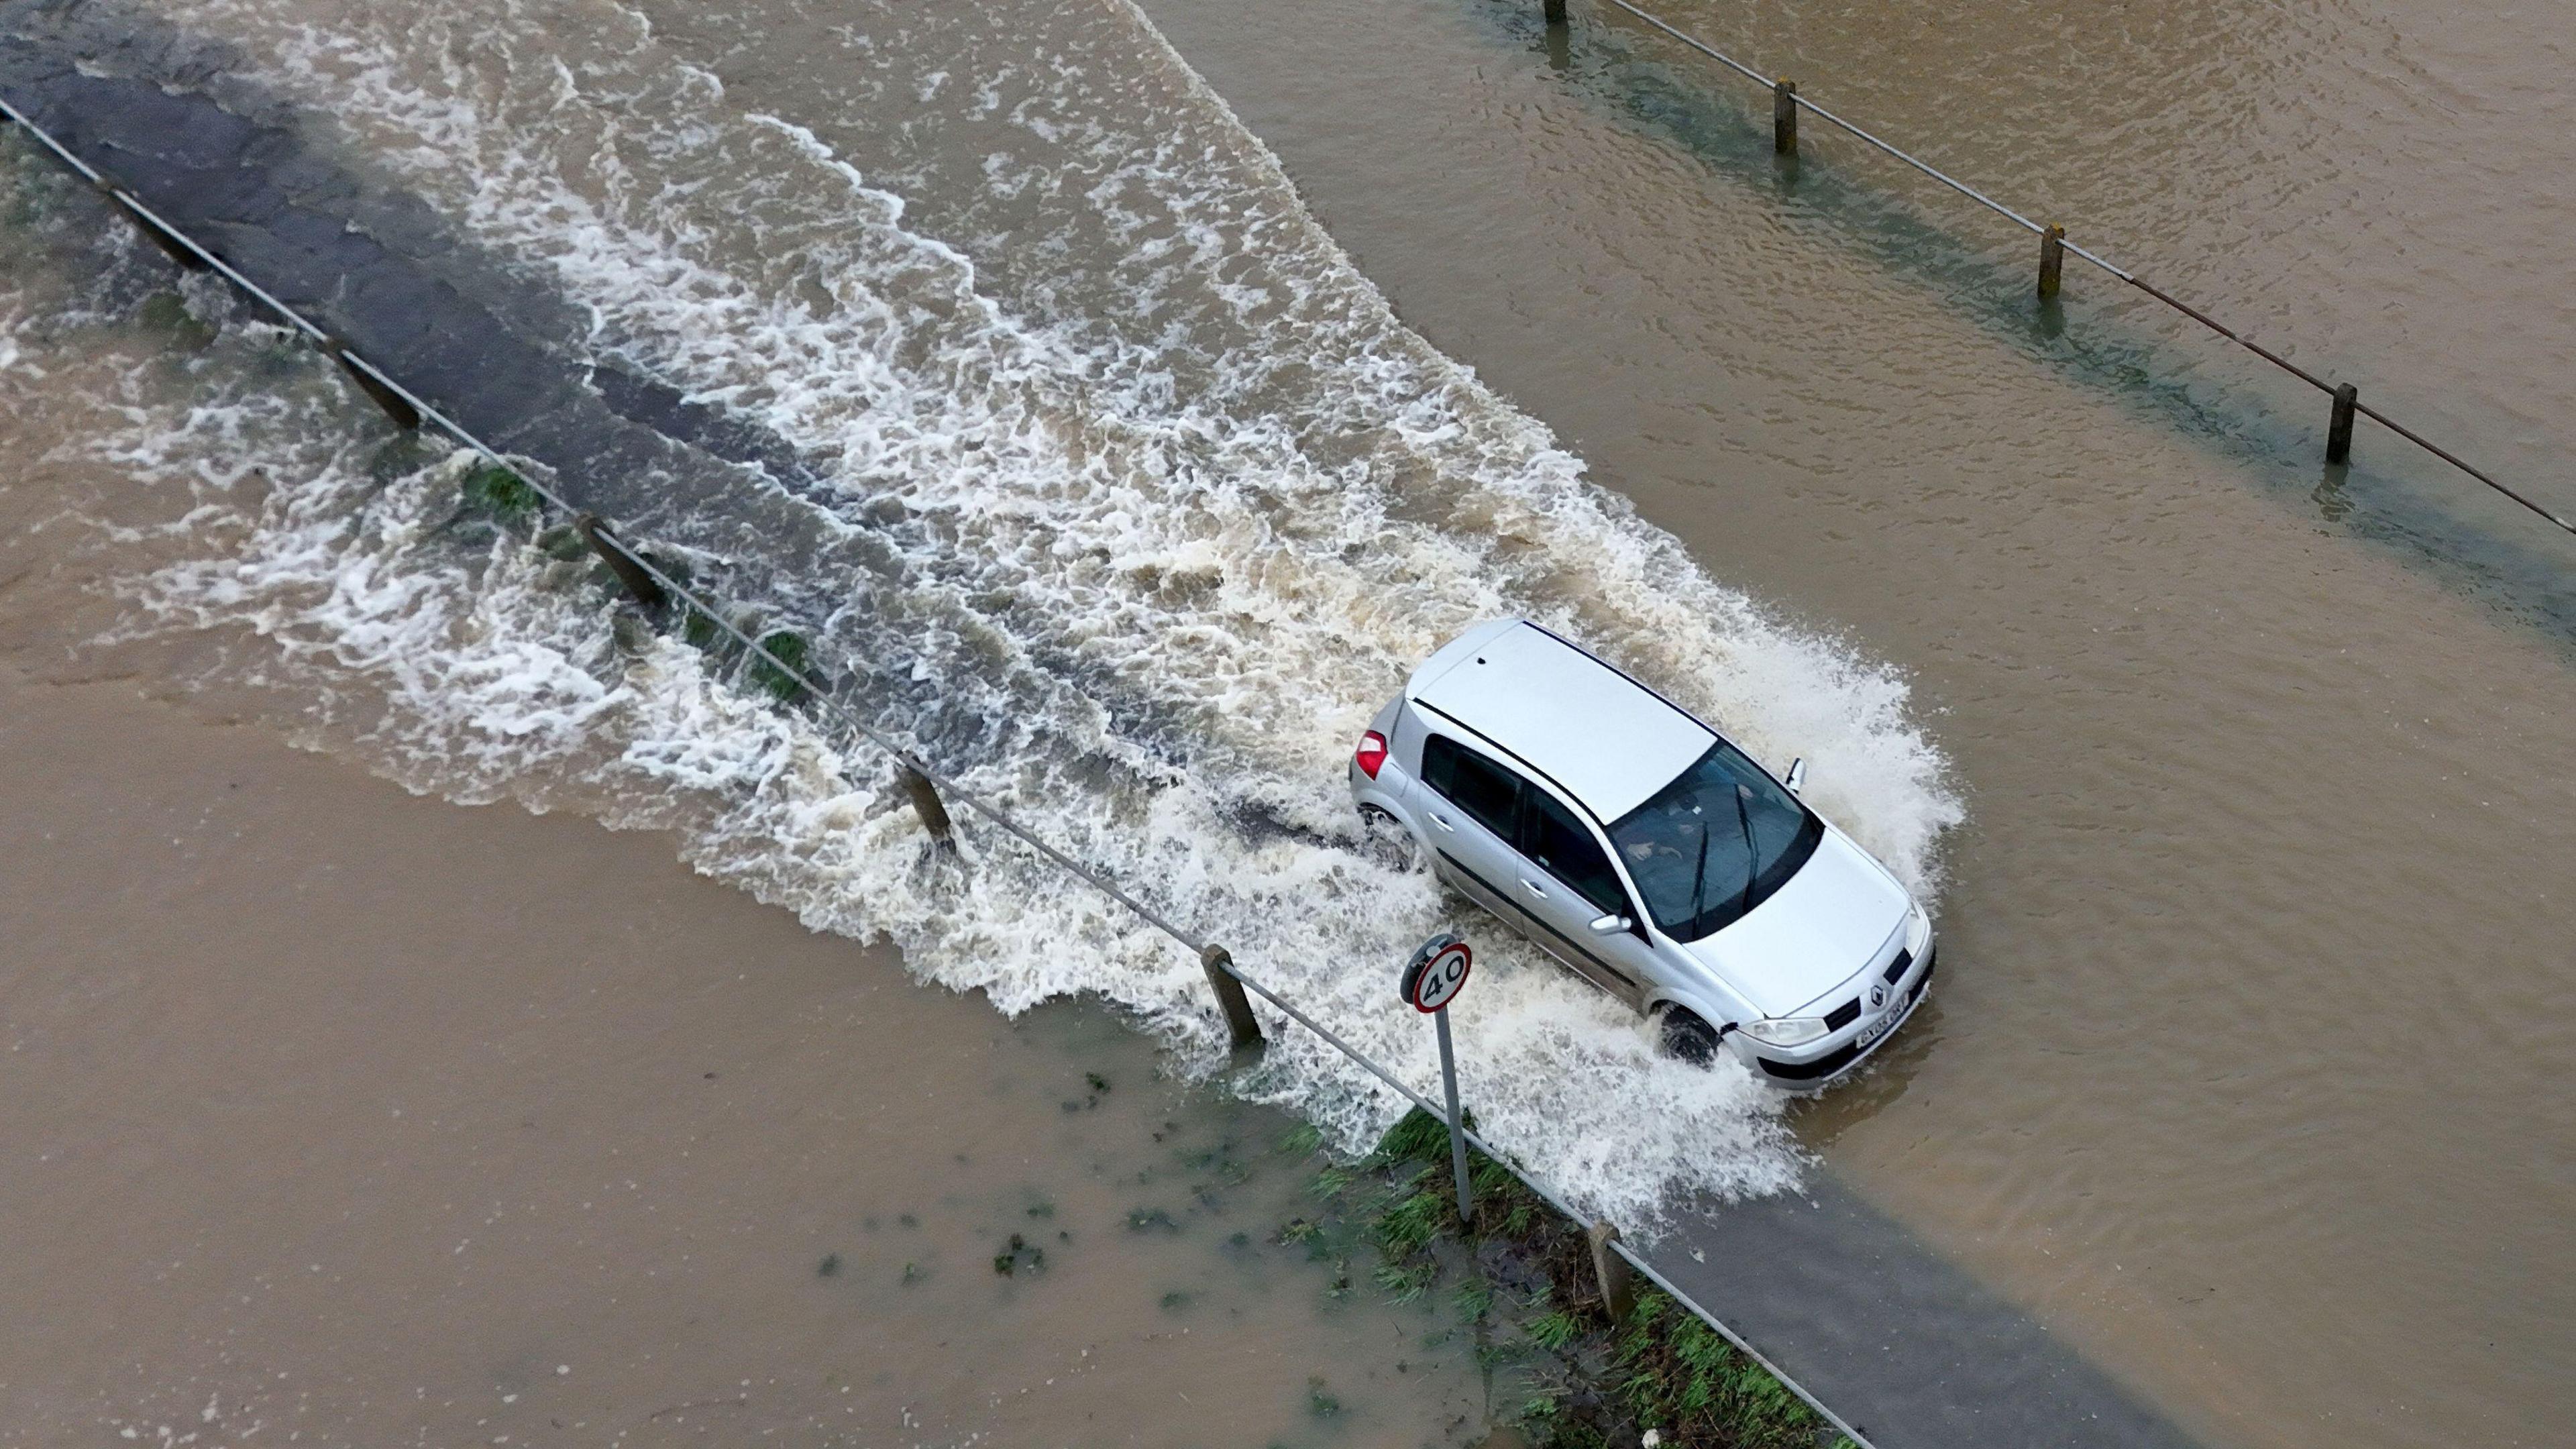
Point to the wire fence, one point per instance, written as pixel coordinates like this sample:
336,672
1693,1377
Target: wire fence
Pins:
410,410
1788,101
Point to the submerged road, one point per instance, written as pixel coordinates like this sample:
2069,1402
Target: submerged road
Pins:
1901,1342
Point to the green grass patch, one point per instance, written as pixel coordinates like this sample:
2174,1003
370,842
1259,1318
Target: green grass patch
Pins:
1555,1329
167,313
1417,1136
500,495
1332,1182
1405,1282
790,649
564,544
1019,1256
1473,1299
1677,1375
701,630
1415,1215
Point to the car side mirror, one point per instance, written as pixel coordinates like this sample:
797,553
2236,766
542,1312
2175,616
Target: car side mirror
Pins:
1797,780
1612,925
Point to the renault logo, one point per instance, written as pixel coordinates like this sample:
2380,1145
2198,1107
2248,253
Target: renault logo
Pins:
1877,997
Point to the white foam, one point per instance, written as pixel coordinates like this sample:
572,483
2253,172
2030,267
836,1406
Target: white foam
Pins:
1177,565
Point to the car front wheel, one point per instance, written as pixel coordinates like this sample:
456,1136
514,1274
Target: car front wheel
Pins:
1686,1036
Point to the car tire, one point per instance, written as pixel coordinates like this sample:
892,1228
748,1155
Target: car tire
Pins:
1683,1034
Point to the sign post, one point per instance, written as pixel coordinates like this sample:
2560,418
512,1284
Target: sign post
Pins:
1431,981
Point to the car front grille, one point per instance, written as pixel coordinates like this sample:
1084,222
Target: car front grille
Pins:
1843,1056
1896,969
1843,1015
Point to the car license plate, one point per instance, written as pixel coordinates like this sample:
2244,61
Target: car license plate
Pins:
1878,1028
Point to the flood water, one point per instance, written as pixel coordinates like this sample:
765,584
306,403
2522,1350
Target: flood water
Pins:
2251,1074
343,1117
2243,784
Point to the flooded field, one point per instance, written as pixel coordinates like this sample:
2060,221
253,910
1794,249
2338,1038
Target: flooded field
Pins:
344,1117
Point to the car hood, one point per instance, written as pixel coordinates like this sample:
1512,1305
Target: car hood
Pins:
1813,934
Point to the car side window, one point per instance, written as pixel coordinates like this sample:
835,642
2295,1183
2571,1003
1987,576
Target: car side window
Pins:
1488,793
1551,836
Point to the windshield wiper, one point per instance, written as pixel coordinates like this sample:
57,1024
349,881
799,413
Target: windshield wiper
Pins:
1699,876
1752,857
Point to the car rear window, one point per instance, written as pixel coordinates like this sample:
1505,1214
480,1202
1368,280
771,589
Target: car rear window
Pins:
1488,793
1551,836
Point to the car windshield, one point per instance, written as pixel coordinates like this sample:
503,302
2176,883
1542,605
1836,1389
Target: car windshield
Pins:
1714,843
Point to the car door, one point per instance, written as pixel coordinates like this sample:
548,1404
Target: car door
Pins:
1472,807
1564,882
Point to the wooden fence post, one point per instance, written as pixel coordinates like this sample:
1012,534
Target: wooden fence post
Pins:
405,416
927,804
639,583
1618,1281
170,246
2347,398
1554,11
2052,260
1784,117
1239,1020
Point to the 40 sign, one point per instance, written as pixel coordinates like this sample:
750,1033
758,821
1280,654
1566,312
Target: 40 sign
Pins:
1438,968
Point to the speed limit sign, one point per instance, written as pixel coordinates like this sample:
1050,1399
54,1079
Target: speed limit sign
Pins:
1431,982
1437,970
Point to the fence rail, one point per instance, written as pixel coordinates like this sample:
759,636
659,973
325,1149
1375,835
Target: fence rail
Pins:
1788,101
634,567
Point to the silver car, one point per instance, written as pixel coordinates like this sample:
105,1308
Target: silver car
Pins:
1647,853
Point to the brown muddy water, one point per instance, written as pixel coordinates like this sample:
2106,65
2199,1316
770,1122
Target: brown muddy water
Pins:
2252,1074
340,1116
2244,783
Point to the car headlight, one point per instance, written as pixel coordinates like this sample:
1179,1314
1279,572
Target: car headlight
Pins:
1918,930
1786,1031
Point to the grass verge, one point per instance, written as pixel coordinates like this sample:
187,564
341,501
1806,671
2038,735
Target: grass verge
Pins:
1520,1282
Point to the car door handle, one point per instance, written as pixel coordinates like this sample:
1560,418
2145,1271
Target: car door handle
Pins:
1534,888
1443,824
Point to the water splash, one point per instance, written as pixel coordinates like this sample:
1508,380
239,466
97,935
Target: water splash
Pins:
1176,503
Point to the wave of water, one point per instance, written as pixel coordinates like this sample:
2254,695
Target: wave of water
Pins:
1176,503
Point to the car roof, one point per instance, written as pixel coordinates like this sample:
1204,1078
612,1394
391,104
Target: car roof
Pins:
1605,739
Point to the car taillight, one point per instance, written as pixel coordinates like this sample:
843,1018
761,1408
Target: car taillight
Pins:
1371,753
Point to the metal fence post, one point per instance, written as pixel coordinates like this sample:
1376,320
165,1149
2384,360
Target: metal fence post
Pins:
1457,1123
1784,117
1239,1020
2347,398
1618,1282
2052,260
